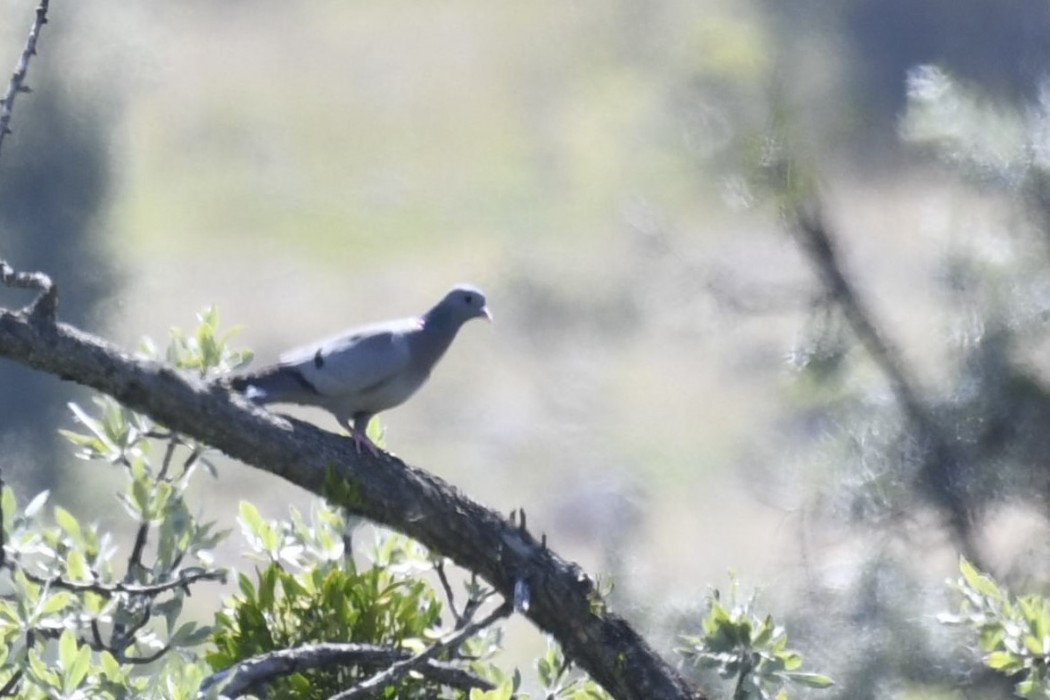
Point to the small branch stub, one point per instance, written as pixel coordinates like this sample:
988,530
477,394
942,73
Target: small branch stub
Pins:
43,308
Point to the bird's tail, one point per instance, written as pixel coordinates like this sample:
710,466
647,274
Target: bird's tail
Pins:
268,386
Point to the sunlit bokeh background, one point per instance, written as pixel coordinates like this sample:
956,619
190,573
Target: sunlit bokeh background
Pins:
651,392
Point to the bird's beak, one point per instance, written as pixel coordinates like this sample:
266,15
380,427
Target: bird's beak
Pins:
486,313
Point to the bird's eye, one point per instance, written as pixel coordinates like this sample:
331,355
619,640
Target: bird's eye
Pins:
469,299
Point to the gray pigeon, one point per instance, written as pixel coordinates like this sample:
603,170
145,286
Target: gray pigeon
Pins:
367,369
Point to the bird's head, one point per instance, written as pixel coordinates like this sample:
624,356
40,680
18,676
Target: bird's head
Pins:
464,302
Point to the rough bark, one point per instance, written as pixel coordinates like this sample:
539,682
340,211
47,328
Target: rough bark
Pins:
561,599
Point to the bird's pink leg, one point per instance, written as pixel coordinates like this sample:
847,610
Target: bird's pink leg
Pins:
359,432
360,438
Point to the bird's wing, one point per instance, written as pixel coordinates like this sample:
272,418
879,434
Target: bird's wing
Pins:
355,361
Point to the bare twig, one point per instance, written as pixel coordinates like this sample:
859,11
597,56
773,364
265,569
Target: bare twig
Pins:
439,567
109,590
17,84
249,675
369,687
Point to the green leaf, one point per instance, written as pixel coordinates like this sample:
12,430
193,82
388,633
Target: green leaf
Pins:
81,440
1033,645
765,631
543,668
978,581
95,426
189,635
36,504
1026,688
110,667
1003,661
251,519
76,565
790,659
813,680
7,501
139,497
159,502
68,523
67,649
76,672
57,601
41,669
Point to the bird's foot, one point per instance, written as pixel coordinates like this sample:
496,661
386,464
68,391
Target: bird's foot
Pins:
360,438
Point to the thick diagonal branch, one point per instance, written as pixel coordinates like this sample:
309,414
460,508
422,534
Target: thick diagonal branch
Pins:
387,491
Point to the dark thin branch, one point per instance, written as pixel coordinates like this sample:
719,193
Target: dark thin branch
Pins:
390,675
11,687
439,567
250,675
384,490
109,590
17,84
96,643
135,558
135,565
96,635
942,460
141,660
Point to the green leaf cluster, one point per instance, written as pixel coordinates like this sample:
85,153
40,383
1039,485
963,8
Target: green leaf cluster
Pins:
206,349
65,629
1012,633
558,677
311,590
78,617
751,648
560,680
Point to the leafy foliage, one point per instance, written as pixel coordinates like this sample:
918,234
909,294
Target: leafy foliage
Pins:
312,591
558,680
1012,633
742,644
114,625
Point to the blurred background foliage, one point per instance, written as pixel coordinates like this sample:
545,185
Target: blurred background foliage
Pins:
666,390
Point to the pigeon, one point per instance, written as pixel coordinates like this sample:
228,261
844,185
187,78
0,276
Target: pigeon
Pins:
367,369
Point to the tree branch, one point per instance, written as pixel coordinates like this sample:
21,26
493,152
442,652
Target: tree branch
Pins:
109,590
11,687
392,673
43,309
384,490
942,459
17,84
247,676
